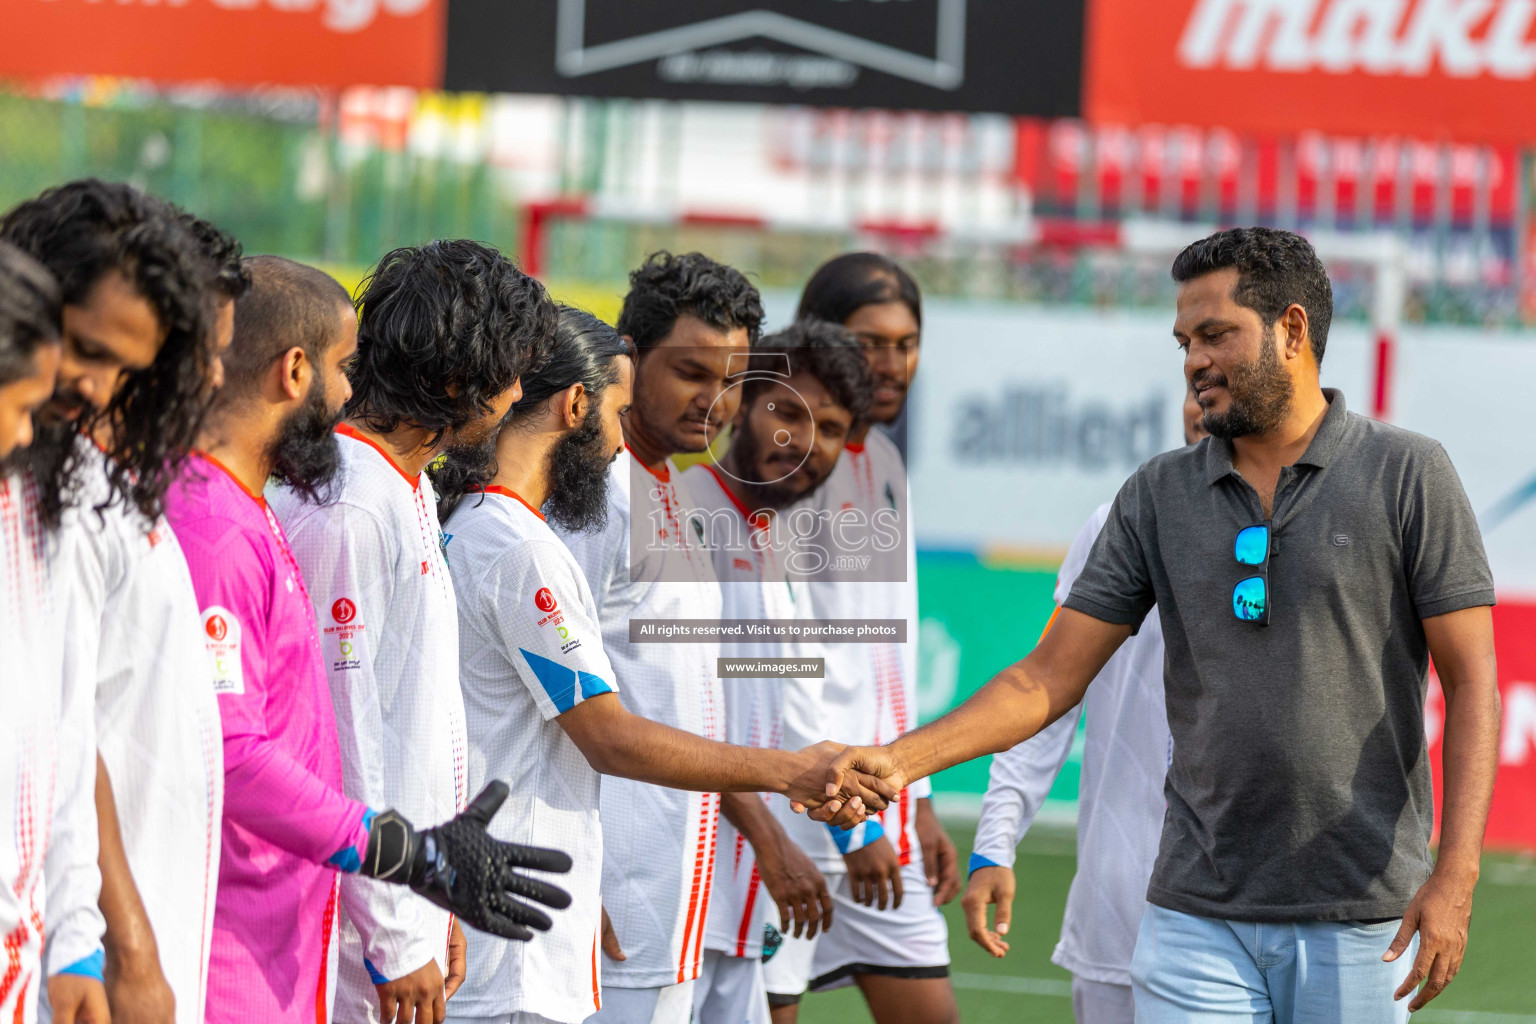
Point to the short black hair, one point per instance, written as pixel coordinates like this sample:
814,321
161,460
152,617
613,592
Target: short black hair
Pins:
1275,270
31,311
846,284
82,231
443,329
288,305
827,351
667,287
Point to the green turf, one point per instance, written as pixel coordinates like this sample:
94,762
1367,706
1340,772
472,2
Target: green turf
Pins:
1497,984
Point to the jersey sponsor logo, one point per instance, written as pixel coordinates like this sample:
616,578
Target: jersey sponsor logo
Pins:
545,600
345,633
343,611
222,630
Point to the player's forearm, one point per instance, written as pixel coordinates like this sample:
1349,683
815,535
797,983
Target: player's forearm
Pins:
638,748
756,823
1470,758
129,936
1013,706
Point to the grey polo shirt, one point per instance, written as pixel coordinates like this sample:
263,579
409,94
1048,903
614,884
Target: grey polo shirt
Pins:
1299,787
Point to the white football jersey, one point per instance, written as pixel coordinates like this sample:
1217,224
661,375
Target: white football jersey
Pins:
871,691
766,712
531,648
658,843
49,881
136,641
372,559
1120,802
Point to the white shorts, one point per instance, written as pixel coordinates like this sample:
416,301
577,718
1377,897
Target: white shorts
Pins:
672,1004
505,1018
910,941
1098,1002
730,990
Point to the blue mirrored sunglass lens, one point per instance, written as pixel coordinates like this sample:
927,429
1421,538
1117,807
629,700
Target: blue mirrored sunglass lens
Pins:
1252,545
1249,599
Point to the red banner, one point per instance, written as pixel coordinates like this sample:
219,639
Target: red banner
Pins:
239,42
1460,69
1512,820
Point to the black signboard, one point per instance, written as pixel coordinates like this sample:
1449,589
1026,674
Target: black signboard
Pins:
1004,56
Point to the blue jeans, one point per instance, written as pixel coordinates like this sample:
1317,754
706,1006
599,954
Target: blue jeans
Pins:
1200,970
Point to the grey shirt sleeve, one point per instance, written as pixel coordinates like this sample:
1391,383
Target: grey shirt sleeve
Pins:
1115,584
1443,556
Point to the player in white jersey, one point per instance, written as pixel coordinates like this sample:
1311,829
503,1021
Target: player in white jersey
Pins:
539,689
688,316
48,874
804,390
142,293
1120,807
890,938
371,551
136,642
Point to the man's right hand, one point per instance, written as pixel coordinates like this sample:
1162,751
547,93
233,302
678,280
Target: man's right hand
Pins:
797,888
874,874
869,766
989,885
459,867
416,998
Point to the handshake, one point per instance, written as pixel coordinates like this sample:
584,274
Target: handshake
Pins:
843,785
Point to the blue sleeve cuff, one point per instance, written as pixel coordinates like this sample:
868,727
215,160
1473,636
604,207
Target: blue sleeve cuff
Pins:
93,966
857,837
350,858
978,861
373,973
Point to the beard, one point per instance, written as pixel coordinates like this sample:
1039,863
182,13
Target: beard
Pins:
305,456
578,476
1259,395
746,455
53,462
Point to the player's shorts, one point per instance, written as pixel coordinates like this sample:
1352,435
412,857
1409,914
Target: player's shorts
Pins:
1097,1002
910,941
672,1004
505,1018
729,990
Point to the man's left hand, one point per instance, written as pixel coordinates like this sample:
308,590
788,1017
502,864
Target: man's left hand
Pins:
940,862
1440,913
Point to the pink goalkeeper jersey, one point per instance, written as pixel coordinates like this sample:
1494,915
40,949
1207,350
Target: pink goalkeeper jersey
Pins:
273,953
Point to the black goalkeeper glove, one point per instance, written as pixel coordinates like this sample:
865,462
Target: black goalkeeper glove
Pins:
458,866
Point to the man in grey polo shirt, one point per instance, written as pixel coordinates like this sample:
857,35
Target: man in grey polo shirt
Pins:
1307,563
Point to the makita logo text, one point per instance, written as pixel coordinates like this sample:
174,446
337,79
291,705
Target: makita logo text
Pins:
1460,38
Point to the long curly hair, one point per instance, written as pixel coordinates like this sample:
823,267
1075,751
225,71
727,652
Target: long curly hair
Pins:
443,329
82,231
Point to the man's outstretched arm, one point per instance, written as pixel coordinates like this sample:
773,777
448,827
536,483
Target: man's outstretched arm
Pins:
1018,702
616,742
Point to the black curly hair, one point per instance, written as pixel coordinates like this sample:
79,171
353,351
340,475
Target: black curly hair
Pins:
827,351
443,329
82,231
585,351
231,279
1275,270
666,287
31,311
